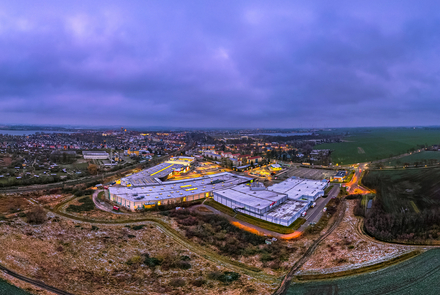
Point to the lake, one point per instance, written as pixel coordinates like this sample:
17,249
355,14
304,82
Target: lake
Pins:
281,134
29,132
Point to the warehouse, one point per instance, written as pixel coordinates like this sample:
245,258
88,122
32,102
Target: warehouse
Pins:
249,199
95,155
301,189
153,175
169,192
280,203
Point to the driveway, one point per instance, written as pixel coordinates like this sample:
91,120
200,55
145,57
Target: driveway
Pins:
103,205
314,214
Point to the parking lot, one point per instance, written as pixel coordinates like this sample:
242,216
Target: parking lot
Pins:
310,173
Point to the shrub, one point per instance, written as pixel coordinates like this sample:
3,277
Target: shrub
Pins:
183,265
177,282
95,227
275,264
185,258
198,282
151,261
229,276
134,260
265,257
138,227
169,260
86,205
214,275
36,216
250,289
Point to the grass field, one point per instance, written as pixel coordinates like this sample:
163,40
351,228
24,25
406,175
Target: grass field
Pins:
422,158
379,143
411,189
418,275
7,289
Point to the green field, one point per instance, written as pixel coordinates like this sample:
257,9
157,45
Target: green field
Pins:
418,275
8,289
422,158
379,143
410,189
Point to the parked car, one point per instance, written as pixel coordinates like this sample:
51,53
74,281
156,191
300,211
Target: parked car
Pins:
116,208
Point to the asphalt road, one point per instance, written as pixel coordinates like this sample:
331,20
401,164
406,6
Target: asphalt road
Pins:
352,186
314,214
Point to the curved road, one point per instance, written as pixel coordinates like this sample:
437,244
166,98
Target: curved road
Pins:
33,282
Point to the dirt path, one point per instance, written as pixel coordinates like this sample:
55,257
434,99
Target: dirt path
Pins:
288,278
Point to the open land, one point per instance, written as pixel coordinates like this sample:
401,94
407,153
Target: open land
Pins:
346,249
87,259
379,143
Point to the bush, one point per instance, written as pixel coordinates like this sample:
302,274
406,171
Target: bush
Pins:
229,276
198,282
265,257
151,261
36,216
86,205
138,227
225,277
183,265
177,282
169,260
275,264
134,260
214,275
185,258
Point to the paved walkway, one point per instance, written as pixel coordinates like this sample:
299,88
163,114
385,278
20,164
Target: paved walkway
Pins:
103,205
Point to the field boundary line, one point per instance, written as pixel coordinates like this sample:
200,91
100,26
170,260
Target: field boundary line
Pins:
360,270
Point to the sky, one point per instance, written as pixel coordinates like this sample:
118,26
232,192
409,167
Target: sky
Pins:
221,64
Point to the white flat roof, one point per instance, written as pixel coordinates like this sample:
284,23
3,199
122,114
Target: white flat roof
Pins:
179,188
149,176
257,199
297,187
287,209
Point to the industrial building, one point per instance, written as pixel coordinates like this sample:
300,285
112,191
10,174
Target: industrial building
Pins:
95,155
156,174
340,176
169,192
249,199
281,203
301,189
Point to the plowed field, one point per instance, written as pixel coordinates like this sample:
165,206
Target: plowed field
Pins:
419,275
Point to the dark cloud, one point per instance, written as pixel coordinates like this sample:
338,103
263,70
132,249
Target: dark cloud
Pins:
220,64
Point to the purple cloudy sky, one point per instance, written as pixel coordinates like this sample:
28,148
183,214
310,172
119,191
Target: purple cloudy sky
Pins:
235,63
